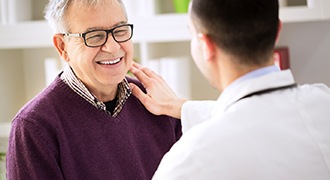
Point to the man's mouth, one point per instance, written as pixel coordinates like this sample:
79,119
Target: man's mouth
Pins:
109,62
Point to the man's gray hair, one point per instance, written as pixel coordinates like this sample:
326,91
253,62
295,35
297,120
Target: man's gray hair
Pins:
56,10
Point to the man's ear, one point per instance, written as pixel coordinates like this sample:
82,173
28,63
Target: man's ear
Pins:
59,43
208,46
279,29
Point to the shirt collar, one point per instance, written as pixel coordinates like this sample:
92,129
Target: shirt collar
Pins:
254,81
69,77
253,74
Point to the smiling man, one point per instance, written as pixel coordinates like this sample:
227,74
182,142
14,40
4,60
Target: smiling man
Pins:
86,124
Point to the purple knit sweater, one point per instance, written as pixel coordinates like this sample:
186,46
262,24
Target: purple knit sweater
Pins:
59,135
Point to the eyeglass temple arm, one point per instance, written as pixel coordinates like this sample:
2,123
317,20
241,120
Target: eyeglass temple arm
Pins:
68,34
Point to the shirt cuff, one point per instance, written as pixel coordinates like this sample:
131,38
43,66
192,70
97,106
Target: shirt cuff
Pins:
194,113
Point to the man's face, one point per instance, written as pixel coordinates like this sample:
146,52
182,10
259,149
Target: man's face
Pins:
92,65
200,52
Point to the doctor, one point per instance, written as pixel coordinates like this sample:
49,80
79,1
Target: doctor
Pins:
263,125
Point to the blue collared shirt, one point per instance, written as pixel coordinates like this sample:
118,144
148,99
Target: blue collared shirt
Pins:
253,74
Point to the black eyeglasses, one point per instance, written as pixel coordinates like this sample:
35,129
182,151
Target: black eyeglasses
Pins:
96,38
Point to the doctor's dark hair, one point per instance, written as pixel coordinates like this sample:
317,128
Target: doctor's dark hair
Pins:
246,29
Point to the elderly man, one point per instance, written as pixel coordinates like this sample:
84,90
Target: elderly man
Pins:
86,124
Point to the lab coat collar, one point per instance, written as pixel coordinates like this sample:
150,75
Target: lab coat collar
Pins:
253,85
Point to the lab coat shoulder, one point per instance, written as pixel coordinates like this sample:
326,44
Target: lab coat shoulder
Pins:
240,145
217,142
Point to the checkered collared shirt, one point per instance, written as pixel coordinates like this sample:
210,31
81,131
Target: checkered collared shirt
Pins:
69,77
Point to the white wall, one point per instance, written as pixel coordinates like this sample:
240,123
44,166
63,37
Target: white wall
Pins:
309,46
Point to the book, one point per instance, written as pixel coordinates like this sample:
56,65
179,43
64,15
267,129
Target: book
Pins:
281,57
3,12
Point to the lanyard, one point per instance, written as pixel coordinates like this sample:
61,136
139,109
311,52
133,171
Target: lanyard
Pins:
265,91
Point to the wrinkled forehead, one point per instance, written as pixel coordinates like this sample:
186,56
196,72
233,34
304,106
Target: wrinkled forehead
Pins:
103,14
93,4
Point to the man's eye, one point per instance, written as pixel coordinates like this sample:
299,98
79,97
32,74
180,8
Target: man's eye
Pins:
95,37
120,32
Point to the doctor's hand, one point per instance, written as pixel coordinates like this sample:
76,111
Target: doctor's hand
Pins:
160,99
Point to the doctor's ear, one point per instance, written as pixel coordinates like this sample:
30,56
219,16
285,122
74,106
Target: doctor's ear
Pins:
207,45
59,43
279,29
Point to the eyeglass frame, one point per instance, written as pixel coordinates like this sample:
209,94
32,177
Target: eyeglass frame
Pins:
83,35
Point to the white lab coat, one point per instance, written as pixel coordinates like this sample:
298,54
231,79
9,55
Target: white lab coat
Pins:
282,134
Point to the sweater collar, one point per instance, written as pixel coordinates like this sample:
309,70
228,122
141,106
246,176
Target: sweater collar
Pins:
69,77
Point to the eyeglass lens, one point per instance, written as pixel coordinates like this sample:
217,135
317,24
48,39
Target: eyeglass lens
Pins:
99,37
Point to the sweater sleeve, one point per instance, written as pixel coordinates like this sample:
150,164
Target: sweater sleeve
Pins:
30,155
178,128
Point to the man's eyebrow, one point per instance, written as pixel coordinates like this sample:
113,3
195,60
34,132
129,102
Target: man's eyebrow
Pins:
102,28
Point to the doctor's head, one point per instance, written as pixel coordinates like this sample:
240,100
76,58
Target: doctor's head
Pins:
243,29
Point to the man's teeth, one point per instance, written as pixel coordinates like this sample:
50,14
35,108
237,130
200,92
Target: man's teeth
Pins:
109,62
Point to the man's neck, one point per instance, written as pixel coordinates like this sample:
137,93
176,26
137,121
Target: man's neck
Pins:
230,70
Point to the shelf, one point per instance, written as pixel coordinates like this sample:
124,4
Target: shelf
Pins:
161,28
25,35
158,28
314,11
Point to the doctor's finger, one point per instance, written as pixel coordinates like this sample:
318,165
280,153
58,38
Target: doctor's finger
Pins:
147,71
145,99
139,74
